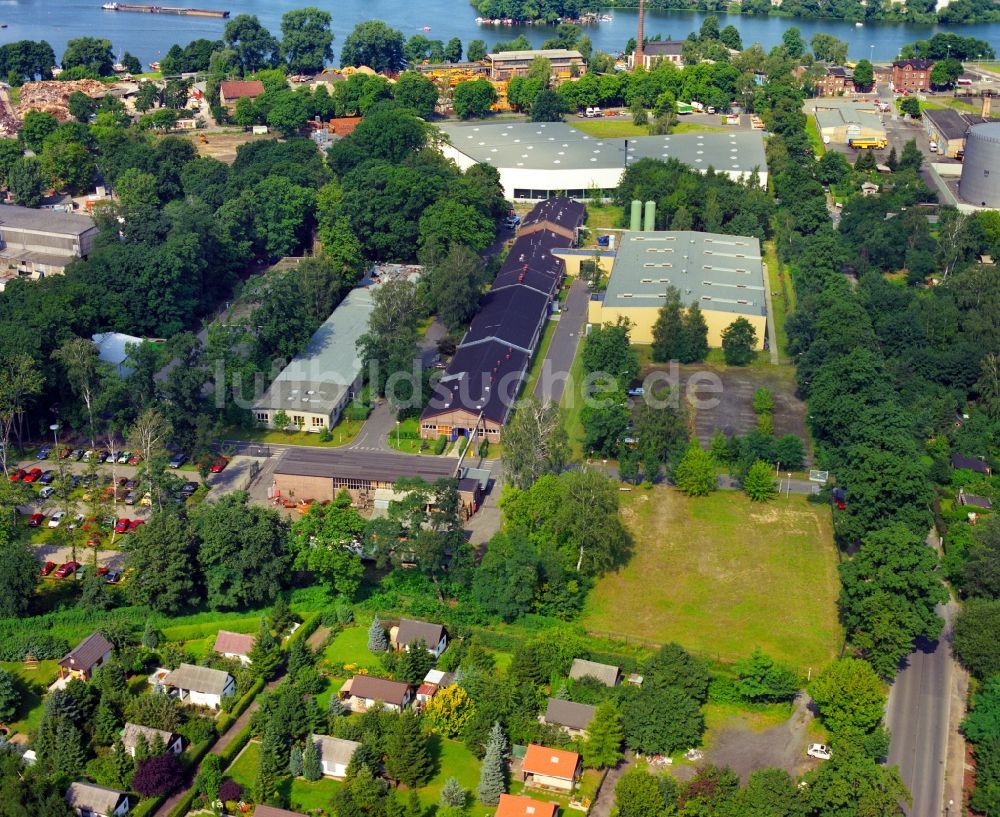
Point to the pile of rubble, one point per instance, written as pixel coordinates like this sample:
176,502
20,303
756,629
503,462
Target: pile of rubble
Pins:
53,97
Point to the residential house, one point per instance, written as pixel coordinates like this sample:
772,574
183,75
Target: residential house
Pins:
130,738
550,768
571,717
334,754
36,243
515,805
983,503
90,800
201,686
605,673
263,810
434,680
231,91
912,75
410,631
971,463
85,657
234,645
362,691
657,51
869,189
837,81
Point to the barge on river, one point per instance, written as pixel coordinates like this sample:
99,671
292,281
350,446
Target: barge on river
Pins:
187,12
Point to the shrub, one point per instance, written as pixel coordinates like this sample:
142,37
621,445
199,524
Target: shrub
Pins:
158,775
230,790
440,444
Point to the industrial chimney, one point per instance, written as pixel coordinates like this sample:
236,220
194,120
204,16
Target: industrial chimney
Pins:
640,39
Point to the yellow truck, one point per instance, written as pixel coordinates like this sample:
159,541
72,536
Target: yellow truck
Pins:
867,144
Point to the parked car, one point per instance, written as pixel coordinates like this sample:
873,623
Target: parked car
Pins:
46,492
178,460
74,480
147,500
66,569
123,525
819,751
32,475
124,457
134,524
77,454
77,522
103,570
130,484
43,453
56,519
134,459
47,477
18,475
35,520
219,464
47,568
131,498
113,577
89,455
62,452
189,488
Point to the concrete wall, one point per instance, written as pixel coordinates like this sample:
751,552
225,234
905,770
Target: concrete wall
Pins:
643,318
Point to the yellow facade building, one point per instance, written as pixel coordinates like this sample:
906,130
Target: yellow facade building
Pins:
724,274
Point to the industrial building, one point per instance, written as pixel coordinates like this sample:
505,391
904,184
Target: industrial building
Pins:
36,243
724,274
980,182
316,386
837,81
841,120
566,64
481,384
911,75
538,160
657,51
948,127
319,474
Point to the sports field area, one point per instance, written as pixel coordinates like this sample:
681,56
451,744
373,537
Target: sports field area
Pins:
721,574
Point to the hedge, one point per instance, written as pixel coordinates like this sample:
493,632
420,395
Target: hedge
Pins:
148,805
242,738
40,646
227,719
440,445
191,758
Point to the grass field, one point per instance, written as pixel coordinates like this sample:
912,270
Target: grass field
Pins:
408,445
572,404
32,684
721,575
815,139
604,216
615,127
350,646
452,759
782,296
344,432
539,358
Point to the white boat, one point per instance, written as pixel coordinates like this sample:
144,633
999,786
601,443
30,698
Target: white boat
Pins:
109,6
155,66
859,24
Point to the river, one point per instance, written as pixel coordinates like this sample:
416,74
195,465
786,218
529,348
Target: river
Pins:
149,36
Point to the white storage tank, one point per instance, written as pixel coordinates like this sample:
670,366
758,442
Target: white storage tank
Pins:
980,182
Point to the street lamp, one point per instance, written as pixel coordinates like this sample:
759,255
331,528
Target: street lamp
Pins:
54,428
397,433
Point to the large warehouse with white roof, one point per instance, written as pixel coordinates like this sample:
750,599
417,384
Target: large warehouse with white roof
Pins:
538,160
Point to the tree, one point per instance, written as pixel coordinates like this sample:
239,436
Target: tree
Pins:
872,788
265,655
911,158
209,778
92,53
793,42
739,340
321,540
25,181
910,105
694,335
603,747
695,473
759,482
945,72
476,51
10,151
668,328
414,90
408,758
850,697
377,641
661,720
253,45
535,442
374,44
832,168
606,350
493,774
506,581
449,710
864,75
306,40
789,452
18,576
312,769
68,166
452,794
828,48
242,554
269,764
473,99
762,679
389,346
158,775
451,222
295,762
10,696
638,794
453,50
288,113
974,638
161,556
548,106
730,37
37,127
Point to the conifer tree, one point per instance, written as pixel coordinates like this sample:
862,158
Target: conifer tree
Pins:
123,765
265,657
312,769
492,776
377,641
668,328
409,759
452,794
295,762
150,640
269,766
694,335
106,722
603,748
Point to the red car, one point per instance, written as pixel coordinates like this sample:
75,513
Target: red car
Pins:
35,520
218,465
67,569
93,542
103,570
136,522
32,475
47,568
17,475
135,459
123,525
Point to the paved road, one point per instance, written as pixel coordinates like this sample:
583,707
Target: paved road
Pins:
562,350
918,715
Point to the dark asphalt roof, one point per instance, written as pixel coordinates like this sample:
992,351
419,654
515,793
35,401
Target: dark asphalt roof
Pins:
366,465
915,63
972,463
568,713
530,262
564,212
950,123
412,630
511,315
485,377
659,48
87,653
379,689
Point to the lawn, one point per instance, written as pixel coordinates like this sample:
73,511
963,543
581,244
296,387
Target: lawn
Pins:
344,432
350,647
452,759
782,296
815,139
604,216
409,445
244,769
609,128
32,684
572,404
539,358
721,575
